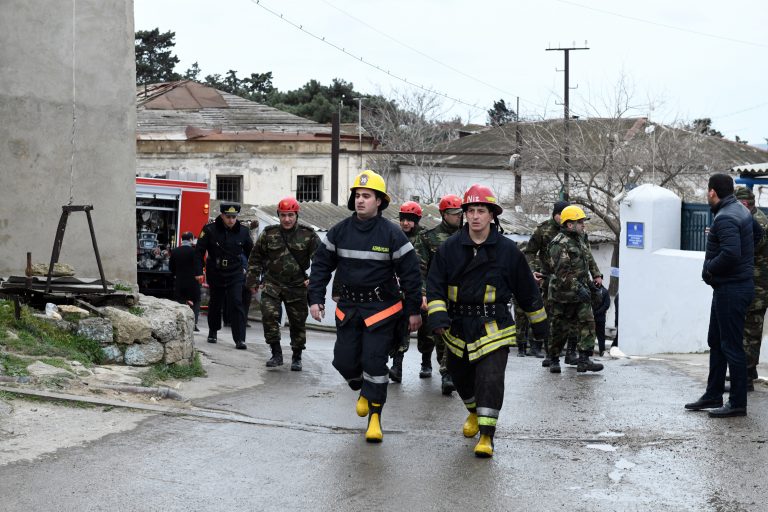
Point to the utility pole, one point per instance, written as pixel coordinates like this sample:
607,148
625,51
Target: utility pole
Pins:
360,126
566,113
516,161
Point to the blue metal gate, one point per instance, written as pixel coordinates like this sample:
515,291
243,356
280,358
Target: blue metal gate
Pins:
696,218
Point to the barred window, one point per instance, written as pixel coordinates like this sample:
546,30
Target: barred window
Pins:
309,188
229,188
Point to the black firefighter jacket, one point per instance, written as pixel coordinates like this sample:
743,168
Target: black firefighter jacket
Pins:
494,274
368,254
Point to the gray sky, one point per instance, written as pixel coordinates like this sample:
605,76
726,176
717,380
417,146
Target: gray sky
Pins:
681,59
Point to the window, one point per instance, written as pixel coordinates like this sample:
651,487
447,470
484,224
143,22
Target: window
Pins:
309,188
229,188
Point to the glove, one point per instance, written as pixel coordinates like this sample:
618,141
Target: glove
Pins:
583,294
540,330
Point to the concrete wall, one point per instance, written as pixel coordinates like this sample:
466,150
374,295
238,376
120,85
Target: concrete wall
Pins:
44,152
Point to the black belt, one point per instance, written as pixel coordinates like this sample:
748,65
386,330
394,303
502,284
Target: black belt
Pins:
361,294
491,310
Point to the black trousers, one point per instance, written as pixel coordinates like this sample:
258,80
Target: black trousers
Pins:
361,354
233,291
481,384
191,293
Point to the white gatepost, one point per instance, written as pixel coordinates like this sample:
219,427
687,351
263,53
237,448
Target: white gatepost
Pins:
664,305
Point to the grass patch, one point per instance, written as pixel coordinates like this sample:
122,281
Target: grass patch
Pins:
122,287
162,372
136,310
13,366
37,337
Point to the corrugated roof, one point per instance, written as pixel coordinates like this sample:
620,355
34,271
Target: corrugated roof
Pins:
759,169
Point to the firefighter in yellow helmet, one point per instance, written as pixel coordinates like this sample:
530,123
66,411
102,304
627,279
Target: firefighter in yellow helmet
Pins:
471,280
369,254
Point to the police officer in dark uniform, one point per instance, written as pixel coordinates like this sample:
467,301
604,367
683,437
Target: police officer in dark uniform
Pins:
471,281
369,254
228,243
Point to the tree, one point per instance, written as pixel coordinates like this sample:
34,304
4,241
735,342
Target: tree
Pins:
703,126
500,114
193,72
154,60
410,121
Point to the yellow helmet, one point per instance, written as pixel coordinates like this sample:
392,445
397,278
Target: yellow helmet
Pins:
369,179
572,213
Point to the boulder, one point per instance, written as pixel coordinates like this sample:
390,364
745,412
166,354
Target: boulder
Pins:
144,354
97,329
112,354
40,369
59,269
67,308
169,320
128,327
179,351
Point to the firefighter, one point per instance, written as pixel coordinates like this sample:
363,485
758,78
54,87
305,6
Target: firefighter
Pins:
431,240
278,266
369,254
228,244
409,215
471,281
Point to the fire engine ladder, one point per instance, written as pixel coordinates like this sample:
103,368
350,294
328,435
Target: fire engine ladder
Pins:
59,240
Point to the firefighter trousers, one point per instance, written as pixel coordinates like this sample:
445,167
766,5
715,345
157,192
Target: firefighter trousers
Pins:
481,385
361,354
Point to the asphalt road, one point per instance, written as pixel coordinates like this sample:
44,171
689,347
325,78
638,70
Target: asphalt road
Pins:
614,440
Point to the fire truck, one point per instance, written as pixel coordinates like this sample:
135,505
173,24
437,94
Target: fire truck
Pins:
164,210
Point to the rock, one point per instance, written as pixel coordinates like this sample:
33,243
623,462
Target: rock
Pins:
40,369
172,325
58,322
128,327
67,308
179,351
59,269
97,329
144,354
112,354
11,335
116,375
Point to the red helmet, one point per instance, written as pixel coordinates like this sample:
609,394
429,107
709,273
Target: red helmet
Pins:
449,201
411,207
288,204
480,194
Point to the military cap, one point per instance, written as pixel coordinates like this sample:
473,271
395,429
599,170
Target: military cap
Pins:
558,207
744,193
228,208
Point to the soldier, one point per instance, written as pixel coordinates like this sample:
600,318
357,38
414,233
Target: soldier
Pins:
228,244
471,281
536,252
431,240
409,215
369,254
753,325
278,266
570,291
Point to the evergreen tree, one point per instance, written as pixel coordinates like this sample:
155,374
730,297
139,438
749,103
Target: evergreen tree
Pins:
500,114
154,60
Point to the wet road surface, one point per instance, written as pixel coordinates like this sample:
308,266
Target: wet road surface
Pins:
614,440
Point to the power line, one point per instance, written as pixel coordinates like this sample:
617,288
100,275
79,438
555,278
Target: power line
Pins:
363,61
754,107
419,52
664,25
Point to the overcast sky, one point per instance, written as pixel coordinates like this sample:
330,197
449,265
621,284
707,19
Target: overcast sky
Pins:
682,59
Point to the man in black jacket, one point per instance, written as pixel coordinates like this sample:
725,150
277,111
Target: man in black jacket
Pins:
728,269
228,245
182,265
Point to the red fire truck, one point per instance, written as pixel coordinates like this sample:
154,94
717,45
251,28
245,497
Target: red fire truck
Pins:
164,210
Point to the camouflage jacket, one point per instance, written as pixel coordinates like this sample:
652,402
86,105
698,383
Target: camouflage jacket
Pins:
429,242
537,250
271,260
761,262
570,256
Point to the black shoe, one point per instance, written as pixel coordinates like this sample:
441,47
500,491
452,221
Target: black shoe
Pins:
447,385
521,348
240,345
585,364
196,329
211,340
554,365
546,362
704,403
396,371
277,355
296,364
534,349
571,358
728,411
425,372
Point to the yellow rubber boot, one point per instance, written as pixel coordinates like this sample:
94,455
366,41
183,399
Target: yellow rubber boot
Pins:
362,406
471,428
484,447
374,433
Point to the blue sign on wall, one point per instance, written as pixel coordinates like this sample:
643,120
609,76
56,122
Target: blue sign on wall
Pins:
635,236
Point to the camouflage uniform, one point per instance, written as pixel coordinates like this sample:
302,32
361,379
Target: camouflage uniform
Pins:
536,252
570,257
273,265
429,241
753,325
424,338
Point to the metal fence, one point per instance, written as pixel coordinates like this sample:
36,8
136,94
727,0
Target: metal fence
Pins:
696,218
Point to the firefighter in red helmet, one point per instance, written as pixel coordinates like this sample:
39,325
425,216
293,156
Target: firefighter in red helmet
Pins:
471,281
